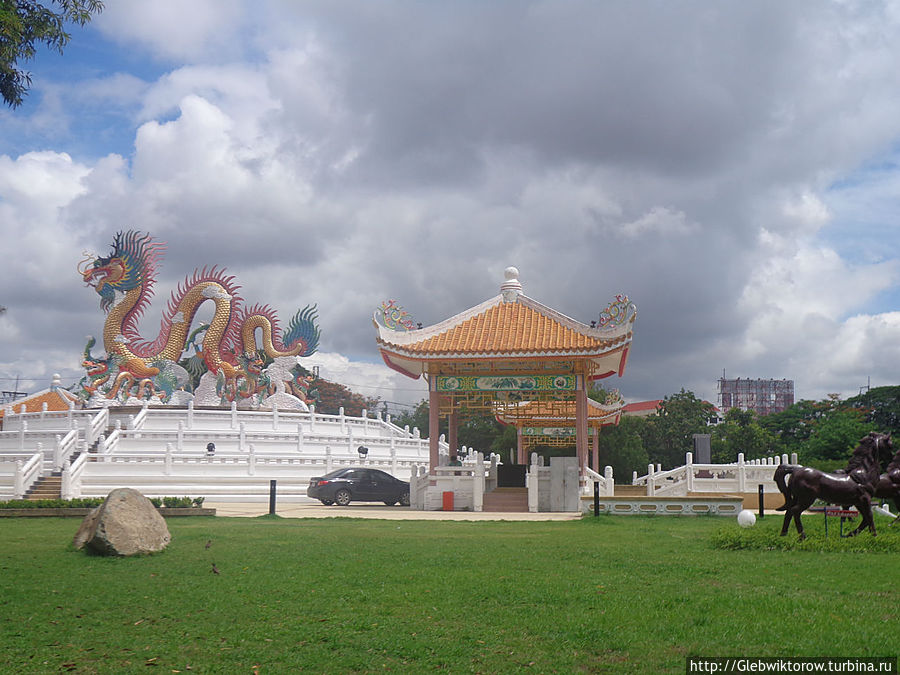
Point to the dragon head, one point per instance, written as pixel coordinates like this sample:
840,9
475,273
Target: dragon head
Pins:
131,264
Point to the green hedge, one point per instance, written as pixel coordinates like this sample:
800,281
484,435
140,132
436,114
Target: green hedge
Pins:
91,502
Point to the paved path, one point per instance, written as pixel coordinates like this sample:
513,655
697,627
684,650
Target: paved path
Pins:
316,510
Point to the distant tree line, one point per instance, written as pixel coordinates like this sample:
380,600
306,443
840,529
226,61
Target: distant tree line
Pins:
822,433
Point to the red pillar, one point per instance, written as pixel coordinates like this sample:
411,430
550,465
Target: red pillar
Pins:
434,404
520,448
581,415
595,448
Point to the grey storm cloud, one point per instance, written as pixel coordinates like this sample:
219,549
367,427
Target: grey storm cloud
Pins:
343,153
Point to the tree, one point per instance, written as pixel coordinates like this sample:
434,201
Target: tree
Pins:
740,431
621,448
836,435
669,436
26,22
881,406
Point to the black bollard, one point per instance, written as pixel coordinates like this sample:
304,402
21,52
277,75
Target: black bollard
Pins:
761,509
596,499
271,497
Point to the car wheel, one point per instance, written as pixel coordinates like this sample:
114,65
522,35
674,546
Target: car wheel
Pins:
404,499
390,502
327,502
342,497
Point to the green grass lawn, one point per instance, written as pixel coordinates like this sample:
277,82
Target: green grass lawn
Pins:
612,594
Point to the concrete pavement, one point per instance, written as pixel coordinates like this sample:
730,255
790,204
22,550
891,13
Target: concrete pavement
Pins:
314,509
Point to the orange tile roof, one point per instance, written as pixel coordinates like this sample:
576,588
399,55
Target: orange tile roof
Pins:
508,328
562,412
56,402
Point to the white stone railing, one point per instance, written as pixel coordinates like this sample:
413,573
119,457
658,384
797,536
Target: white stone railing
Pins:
65,446
71,476
18,473
467,481
292,446
606,483
739,477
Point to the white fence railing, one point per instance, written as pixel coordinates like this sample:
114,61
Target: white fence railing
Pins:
18,473
741,477
164,451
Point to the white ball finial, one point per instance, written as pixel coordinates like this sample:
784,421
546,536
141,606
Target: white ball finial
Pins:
511,288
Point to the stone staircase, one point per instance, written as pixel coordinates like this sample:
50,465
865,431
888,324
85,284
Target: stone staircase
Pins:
630,490
506,500
50,487
46,487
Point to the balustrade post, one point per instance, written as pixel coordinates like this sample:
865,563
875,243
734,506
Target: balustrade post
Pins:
251,464
784,458
274,416
478,483
57,454
610,483
365,416
131,421
328,463
19,486
43,409
689,469
65,487
179,437
741,473
794,458
649,480
299,437
167,470
312,416
234,422
342,420
350,447
242,436
190,414
22,429
69,417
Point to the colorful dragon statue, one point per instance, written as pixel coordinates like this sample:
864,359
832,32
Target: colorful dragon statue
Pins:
229,349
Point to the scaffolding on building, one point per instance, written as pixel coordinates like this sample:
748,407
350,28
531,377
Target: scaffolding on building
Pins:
763,396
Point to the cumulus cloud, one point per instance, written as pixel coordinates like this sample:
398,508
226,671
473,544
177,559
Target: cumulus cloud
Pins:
713,161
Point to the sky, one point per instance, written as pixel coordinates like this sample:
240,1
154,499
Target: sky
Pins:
732,167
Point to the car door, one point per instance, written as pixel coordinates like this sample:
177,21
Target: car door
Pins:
383,486
364,486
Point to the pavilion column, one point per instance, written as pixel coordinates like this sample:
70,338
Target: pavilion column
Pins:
434,407
595,450
452,429
581,423
520,447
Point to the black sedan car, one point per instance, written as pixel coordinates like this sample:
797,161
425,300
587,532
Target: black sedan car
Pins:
362,485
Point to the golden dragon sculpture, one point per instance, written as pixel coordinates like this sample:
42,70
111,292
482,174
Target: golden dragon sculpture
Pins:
125,279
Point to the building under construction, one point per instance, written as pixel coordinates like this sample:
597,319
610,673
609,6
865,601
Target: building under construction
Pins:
763,396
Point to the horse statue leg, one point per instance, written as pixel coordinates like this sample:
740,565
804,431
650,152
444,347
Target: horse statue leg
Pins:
864,506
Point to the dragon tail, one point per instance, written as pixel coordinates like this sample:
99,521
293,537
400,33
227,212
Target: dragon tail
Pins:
302,328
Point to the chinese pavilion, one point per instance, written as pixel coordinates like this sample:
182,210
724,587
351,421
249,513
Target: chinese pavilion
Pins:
552,423
508,350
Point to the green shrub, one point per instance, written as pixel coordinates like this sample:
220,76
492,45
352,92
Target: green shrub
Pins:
92,502
766,536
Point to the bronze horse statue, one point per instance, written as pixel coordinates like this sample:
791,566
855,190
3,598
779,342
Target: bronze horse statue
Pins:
888,485
854,486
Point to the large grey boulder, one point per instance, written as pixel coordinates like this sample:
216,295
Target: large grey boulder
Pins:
125,524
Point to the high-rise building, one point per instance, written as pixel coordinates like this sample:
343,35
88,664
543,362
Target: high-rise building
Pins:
763,396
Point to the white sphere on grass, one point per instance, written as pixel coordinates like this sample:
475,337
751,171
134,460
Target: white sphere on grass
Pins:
746,518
